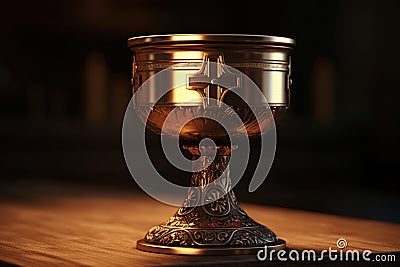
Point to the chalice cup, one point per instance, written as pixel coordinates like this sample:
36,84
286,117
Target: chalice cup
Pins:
208,93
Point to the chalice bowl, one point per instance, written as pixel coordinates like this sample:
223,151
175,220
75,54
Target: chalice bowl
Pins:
209,95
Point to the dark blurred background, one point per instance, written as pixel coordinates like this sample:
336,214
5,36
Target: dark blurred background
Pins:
65,83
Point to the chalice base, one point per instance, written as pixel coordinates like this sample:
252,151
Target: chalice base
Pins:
197,232
219,226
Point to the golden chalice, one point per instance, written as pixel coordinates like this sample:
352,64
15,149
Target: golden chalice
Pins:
223,87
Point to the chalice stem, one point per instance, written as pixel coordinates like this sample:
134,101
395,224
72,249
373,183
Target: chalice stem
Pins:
211,217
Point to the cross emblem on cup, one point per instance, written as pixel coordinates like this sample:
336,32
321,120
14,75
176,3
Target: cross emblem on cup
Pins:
214,79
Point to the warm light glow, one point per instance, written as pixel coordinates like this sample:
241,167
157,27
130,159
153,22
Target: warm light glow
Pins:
185,96
188,55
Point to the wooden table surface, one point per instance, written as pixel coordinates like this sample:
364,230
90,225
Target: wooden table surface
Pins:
100,228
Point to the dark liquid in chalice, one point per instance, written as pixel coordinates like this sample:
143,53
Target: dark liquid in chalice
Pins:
190,124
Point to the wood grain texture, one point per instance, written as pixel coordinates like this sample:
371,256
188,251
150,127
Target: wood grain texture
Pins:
102,229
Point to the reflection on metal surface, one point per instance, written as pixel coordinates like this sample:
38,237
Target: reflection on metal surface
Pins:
145,246
265,59
199,128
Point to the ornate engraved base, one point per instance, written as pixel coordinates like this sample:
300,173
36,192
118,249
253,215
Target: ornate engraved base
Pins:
211,220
